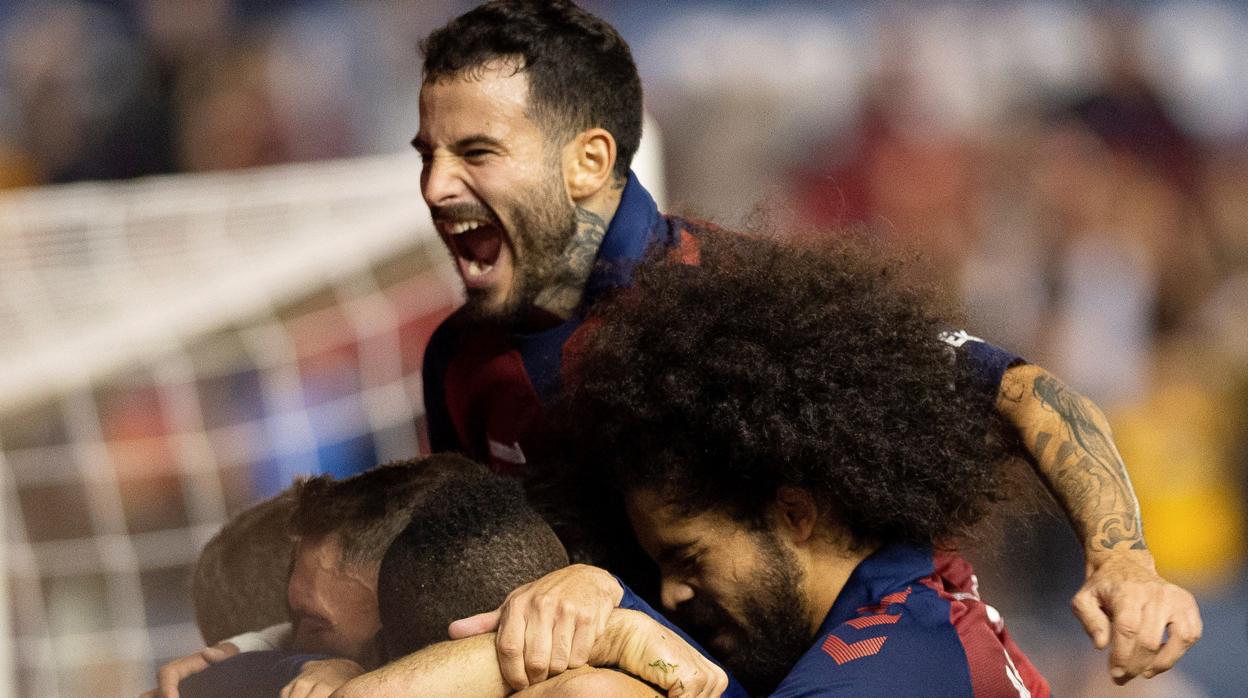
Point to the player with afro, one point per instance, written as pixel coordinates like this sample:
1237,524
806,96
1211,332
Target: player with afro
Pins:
798,451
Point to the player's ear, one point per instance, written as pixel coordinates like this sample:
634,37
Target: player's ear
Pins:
588,163
796,513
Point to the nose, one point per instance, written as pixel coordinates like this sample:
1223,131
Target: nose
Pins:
442,181
673,592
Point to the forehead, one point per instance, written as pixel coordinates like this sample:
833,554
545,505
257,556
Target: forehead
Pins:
659,522
319,564
492,100
318,553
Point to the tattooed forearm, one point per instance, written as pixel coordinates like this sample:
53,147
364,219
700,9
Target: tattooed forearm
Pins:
562,296
1083,467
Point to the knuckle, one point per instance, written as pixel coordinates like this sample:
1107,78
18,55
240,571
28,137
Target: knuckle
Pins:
509,650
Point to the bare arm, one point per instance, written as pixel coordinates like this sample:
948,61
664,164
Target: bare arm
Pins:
1073,451
467,667
633,642
590,682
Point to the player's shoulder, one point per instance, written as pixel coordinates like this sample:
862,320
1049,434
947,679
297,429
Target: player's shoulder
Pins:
903,645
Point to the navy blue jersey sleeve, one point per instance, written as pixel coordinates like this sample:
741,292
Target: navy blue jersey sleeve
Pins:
987,362
438,355
246,674
633,602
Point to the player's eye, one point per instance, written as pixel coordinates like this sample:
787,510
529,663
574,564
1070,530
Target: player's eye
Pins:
476,154
691,562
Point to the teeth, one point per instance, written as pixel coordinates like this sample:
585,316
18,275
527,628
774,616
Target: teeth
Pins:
476,268
463,226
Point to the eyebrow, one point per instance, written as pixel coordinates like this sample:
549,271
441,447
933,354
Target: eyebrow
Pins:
462,144
673,553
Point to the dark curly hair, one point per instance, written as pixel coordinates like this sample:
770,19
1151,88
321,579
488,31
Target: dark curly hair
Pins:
469,543
772,364
581,72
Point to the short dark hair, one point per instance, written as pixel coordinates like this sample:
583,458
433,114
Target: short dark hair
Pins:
369,509
469,543
580,70
239,583
772,364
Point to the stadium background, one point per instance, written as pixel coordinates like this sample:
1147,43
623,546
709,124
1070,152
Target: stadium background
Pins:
176,347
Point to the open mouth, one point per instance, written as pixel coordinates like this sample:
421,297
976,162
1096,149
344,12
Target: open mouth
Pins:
476,244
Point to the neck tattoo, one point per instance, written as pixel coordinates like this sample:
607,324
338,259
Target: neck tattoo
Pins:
563,295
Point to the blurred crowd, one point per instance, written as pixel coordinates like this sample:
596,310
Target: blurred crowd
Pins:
1075,175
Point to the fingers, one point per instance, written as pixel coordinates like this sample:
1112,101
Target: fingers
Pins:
548,626
215,654
1185,631
509,643
1095,623
1126,632
474,625
169,675
1148,641
587,633
538,641
568,626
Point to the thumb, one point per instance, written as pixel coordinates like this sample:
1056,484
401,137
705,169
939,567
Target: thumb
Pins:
214,654
1088,610
474,625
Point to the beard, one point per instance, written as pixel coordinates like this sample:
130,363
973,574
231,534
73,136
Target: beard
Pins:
542,225
771,634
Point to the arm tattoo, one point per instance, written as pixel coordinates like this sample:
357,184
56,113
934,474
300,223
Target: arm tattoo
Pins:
1087,472
563,294
663,666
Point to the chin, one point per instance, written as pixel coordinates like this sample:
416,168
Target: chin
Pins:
493,306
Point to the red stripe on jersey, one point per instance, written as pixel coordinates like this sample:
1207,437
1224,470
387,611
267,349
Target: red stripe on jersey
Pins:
896,597
882,606
868,621
996,664
842,652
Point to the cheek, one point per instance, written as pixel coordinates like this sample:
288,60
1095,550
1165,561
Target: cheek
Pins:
354,608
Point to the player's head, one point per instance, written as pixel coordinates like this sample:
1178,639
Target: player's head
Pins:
342,529
469,543
765,405
527,107
240,578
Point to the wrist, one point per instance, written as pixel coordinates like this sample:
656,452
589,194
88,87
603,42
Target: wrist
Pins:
619,633
1095,559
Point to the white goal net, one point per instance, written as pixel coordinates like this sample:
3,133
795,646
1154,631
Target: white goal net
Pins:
173,350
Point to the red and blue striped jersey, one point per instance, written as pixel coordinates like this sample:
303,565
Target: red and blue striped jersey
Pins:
911,623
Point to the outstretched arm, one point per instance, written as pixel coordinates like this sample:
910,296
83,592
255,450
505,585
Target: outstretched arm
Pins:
1123,600
632,642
